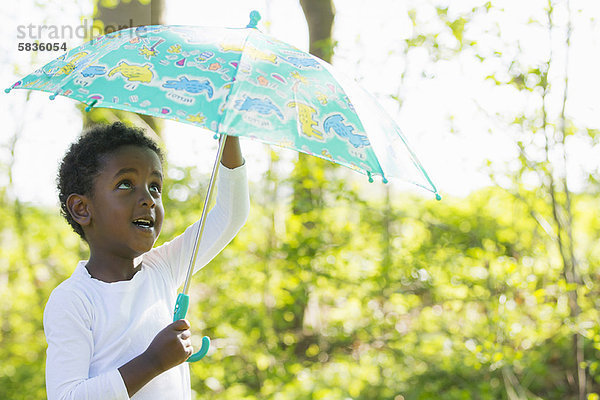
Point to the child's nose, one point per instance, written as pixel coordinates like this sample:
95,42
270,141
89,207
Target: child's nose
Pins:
147,199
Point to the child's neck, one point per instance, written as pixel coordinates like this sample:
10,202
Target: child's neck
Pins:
110,269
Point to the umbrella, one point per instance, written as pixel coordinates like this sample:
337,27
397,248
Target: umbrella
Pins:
237,82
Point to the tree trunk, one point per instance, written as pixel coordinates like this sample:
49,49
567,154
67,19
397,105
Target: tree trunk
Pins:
563,216
308,178
319,16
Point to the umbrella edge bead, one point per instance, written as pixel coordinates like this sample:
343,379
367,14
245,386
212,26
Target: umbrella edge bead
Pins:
14,85
88,108
53,95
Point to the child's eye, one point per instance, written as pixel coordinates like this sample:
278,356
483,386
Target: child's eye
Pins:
124,185
155,188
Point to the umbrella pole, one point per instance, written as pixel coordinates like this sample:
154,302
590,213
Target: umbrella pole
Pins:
183,300
211,184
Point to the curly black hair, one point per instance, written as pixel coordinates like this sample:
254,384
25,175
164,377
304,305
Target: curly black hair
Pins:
83,161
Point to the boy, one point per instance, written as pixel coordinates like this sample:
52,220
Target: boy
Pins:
108,326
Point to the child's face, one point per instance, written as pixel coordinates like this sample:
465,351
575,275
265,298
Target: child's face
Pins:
126,206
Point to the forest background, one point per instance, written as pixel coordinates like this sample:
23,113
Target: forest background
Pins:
340,289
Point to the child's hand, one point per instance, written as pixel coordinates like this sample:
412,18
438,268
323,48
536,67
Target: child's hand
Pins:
171,346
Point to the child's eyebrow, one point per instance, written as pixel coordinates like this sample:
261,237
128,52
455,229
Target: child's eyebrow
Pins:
124,171
157,174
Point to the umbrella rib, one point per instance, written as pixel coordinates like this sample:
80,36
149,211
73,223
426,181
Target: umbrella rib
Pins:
233,81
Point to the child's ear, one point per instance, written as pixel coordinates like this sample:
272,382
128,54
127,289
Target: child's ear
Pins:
78,207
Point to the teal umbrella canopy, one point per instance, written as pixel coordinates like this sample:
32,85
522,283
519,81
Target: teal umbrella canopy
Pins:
238,82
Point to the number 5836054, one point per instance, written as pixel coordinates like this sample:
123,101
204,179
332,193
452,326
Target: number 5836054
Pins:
35,46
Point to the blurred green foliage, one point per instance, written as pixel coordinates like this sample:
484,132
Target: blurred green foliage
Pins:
472,304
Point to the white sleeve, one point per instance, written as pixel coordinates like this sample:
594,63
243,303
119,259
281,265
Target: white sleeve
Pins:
223,222
67,326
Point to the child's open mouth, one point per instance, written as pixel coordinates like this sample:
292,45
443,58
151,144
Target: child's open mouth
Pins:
144,223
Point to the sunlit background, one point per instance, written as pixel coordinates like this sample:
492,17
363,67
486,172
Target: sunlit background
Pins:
448,107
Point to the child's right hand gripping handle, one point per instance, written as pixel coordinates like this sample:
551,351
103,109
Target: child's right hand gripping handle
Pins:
181,308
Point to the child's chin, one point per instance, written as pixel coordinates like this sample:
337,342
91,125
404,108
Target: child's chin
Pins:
149,247
144,248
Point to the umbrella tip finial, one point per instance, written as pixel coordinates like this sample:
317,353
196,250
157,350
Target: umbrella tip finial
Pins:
7,90
254,18
438,197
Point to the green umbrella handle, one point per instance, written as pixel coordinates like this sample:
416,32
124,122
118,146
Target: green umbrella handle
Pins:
181,308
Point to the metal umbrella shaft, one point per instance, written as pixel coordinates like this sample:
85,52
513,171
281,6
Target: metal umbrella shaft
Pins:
183,299
207,200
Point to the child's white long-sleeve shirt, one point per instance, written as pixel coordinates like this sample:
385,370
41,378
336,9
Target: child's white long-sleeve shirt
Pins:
94,327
